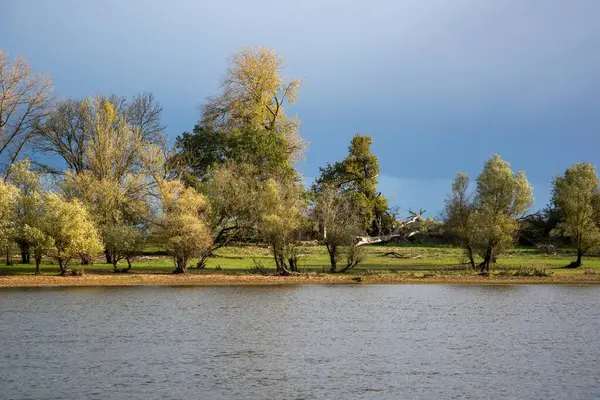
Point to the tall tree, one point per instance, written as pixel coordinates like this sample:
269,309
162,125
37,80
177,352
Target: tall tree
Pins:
357,174
244,140
501,198
24,101
113,185
577,196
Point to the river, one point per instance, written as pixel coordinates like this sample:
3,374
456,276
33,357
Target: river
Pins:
301,342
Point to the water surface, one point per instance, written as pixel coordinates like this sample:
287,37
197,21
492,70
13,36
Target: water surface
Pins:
301,342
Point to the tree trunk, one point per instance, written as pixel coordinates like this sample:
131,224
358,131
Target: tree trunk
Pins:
108,256
578,263
469,251
128,265
181,265
332,250
485,264
8,259
114,263
24,247
38,261
63,266
85,260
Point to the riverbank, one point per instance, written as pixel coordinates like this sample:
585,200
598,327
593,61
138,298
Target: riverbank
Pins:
232,280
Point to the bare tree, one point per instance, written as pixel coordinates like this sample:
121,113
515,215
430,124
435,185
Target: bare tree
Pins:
24,101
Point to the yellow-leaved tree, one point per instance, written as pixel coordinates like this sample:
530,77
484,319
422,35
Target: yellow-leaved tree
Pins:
71,229
182,225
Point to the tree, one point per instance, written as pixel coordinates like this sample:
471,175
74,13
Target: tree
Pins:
39,242
459,215
280,219
123,242
339,220
244,140
182,225
75,125
501,198
8,209
24,101
577,196
254,96
29,205
112,181
70,227
357,175
234,194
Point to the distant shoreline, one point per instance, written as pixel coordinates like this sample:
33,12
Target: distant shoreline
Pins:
24,281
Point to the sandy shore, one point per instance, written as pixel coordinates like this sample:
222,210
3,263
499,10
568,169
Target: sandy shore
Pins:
223,279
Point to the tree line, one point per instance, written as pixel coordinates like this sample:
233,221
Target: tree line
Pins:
114,183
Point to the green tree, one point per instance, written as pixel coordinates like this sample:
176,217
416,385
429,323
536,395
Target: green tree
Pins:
8,211
29,204
124,242
459,215
577,197
70,227
501,198
357,175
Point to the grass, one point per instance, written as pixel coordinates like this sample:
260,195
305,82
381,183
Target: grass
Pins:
411,263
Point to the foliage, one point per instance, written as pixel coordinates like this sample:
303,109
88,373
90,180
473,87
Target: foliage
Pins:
577,196
8,209
488,221
123,242
280,219
182,225
69,225
501,198
357,175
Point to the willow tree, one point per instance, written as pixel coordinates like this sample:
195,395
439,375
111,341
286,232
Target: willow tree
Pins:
113,184
501,198
281,217
182,225
24,102
71,229
577,198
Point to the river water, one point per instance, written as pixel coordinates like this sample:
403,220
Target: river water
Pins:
301,342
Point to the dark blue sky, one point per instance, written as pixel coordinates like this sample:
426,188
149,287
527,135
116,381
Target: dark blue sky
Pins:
440,85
